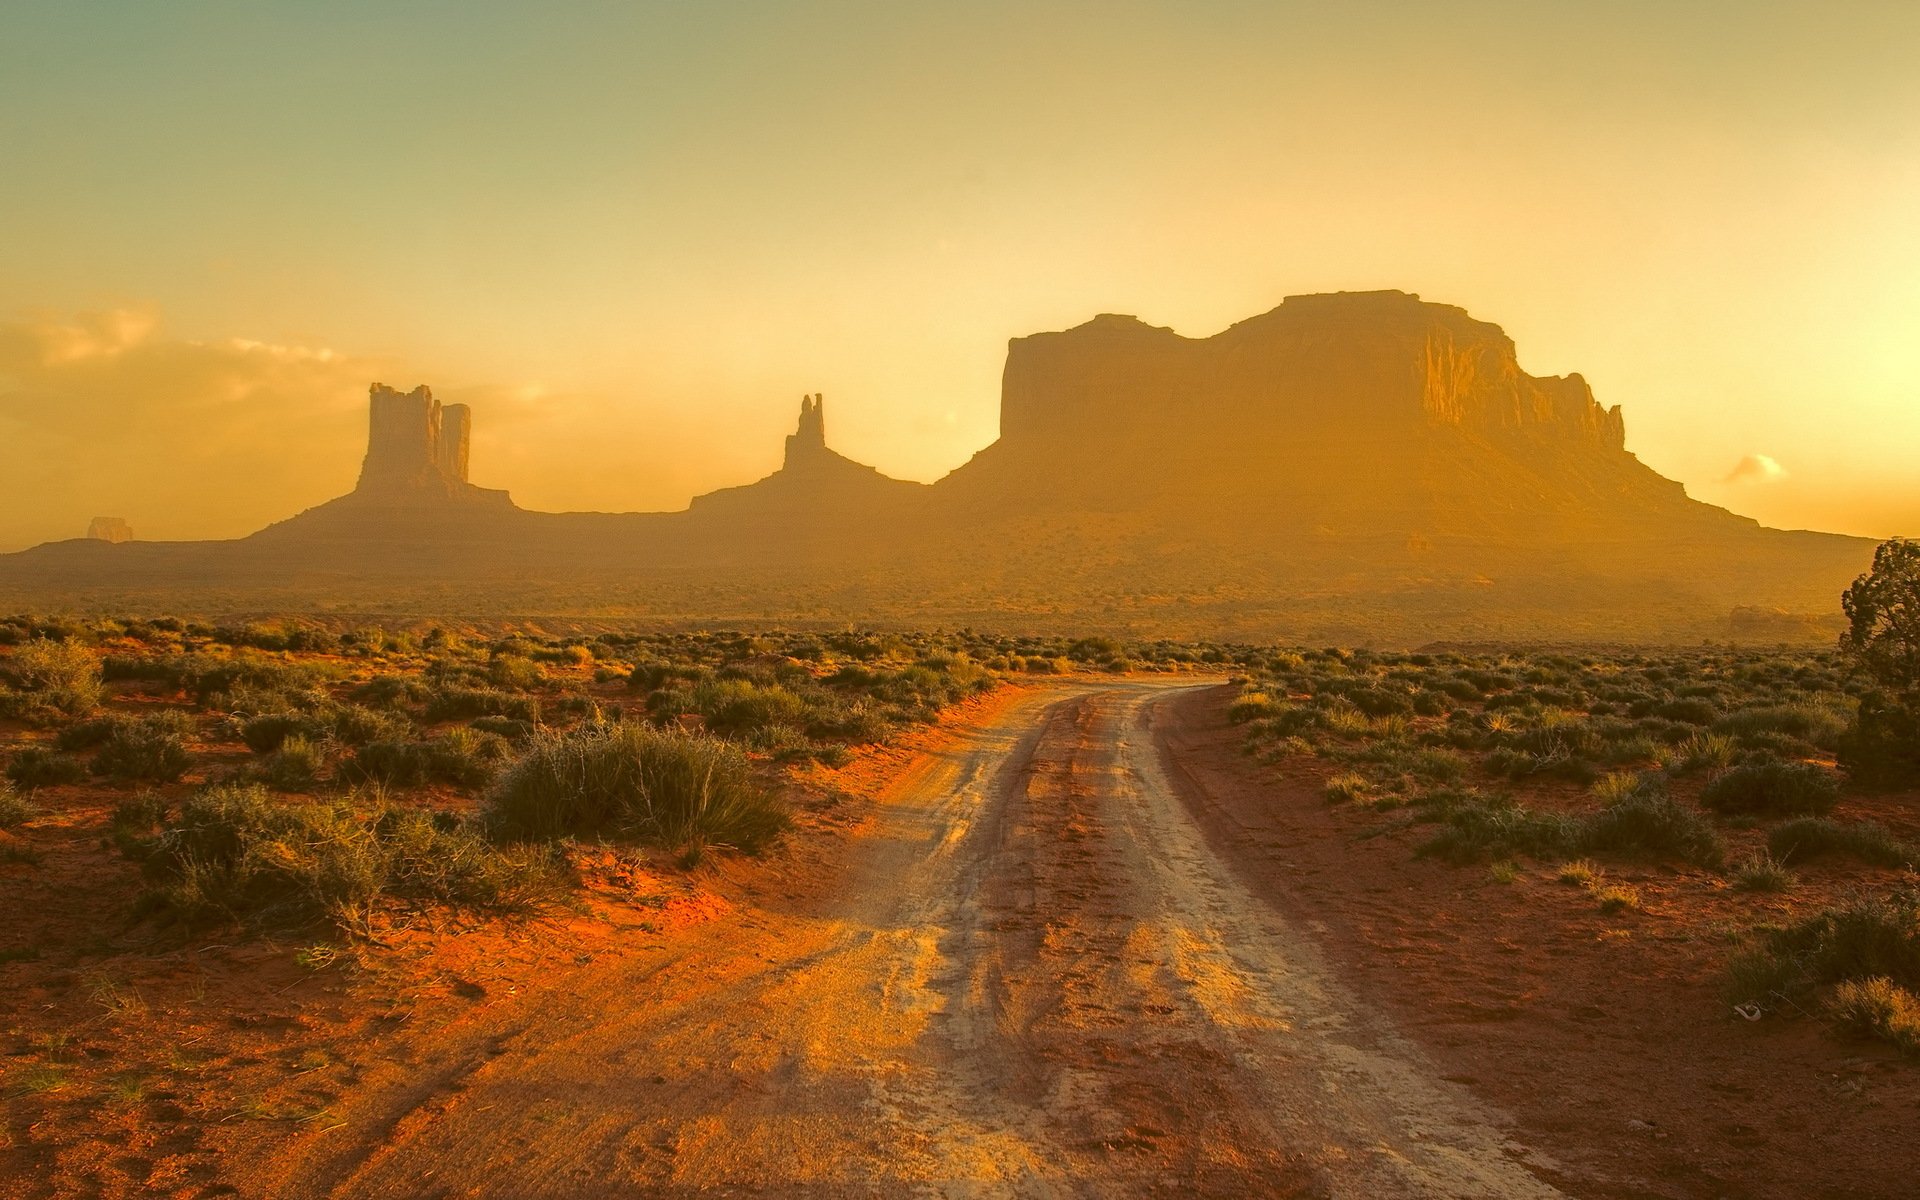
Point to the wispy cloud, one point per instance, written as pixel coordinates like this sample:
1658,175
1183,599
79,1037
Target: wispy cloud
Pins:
1756,468
104,415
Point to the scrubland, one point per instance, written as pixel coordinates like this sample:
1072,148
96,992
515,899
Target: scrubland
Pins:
1697,777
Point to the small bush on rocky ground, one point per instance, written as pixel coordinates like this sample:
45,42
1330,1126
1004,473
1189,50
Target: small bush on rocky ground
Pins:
1762,873
147,750
38,766
15,810
295,767
1867,937
1773,788
239,854
463,757
1640,821
1877,1008
1812,837
656,785
51,678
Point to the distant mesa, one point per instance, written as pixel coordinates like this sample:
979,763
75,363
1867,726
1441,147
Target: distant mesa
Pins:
110,529
1356,464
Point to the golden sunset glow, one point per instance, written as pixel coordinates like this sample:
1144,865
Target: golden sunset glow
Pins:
634,235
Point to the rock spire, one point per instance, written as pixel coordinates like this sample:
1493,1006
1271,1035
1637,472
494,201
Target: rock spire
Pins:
808,443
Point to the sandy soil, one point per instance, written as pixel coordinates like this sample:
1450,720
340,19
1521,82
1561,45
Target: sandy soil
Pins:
1071,942
1029,977
1605,1037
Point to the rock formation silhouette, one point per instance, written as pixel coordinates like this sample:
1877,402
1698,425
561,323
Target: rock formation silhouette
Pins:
808,443
416,447
110,529
1362,465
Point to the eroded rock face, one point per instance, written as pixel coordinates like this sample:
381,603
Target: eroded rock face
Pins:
1376,364
110,529
417,449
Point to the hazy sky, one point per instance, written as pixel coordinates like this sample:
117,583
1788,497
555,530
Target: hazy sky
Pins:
634,234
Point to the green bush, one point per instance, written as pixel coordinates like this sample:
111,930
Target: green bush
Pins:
463,704
657,785
1642,821
1771,787
1882,748
37,767
1815,724
1651,823
265,733
461,757
1812,837
237,853
1474,831
60,676
295,766
1866,937
738,706
15,810
147,749
1877,1008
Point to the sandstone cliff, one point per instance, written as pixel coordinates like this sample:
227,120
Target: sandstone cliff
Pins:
417,450
1361,465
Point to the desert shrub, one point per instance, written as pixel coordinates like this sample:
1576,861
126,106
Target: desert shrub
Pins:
736,706
1581,872
1878,1008
1647,821
356,725
1504,829
393,691
1773,788
1815,724
507,727
461,704
460,757
58,676
15,810
656,785
859,721
1251,706
1616,897
515,673
1640,820
1762,873
148,749
1346,788
1882,747
237,853
266,733
295,766
1688,710
1699,752
1868,936
38,766
1811,837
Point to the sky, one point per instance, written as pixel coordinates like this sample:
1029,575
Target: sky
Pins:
632,235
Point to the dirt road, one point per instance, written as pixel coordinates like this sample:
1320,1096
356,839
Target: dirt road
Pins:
1033,978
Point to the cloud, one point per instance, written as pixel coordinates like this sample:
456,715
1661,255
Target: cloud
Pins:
103,415
1756,468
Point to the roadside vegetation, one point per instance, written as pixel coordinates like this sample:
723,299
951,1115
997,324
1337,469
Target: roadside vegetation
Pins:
1749,770
282,775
